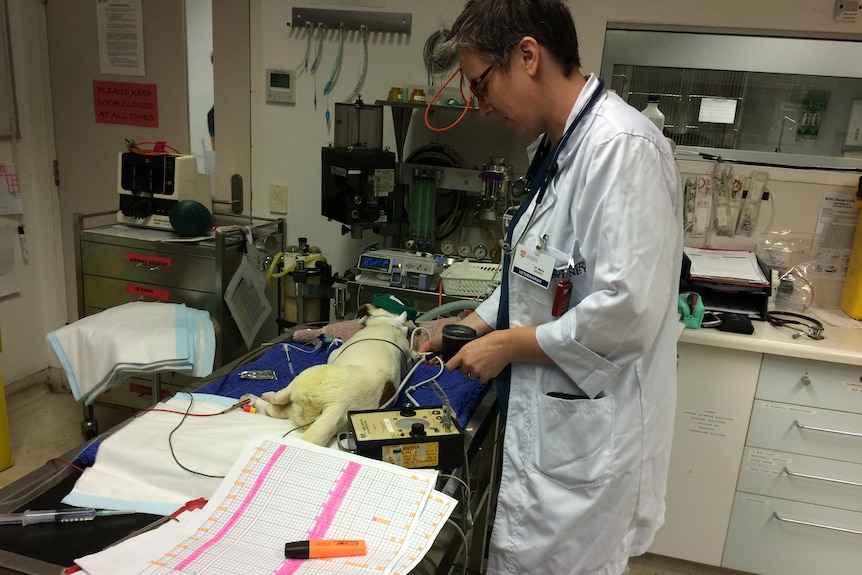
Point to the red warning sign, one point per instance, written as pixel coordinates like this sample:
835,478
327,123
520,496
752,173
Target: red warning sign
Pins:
126,103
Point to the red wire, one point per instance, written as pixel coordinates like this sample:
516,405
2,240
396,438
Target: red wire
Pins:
134,147
69,463
177,412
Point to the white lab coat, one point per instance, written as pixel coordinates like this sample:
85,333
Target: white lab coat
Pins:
583,480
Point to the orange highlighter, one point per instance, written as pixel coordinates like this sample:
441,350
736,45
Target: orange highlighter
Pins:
319,548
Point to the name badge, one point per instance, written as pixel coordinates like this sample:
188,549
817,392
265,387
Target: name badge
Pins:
532,265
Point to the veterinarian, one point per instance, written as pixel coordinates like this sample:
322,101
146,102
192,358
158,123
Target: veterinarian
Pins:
585,318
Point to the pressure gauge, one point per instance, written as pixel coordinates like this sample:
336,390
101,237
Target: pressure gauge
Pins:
447,247
480,252
464,250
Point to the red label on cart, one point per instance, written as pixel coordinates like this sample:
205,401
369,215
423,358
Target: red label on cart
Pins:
148,260
144,291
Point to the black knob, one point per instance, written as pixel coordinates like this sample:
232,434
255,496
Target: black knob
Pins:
417,430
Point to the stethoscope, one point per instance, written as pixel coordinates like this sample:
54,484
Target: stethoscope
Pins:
544,162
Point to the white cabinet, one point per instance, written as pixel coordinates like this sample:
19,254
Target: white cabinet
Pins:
772,536
798,506
715,391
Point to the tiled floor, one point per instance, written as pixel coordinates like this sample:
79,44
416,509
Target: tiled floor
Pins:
45,422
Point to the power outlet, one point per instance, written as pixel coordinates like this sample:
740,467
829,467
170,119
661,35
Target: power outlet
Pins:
278,198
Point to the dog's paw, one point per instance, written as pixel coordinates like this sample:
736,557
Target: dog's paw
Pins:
256,402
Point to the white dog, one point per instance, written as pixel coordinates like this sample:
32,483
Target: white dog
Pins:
363,373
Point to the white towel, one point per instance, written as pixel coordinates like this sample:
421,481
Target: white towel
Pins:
99,350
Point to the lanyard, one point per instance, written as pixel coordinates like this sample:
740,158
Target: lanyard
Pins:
545,161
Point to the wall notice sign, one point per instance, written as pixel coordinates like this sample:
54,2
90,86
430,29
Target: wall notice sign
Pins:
126,103
10,191
717,111
121,37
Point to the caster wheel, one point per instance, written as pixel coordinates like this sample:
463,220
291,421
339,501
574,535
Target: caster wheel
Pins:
89,428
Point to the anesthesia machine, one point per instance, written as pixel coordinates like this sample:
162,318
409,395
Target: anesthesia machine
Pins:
431,203
358,175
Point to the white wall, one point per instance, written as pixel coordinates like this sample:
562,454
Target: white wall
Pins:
199,26
287,141
25,317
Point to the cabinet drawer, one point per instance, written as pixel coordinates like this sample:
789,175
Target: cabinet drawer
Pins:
141,265
814,383
102,293
764,538
802,478
806,430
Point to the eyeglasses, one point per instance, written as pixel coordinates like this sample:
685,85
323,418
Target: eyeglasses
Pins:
476,84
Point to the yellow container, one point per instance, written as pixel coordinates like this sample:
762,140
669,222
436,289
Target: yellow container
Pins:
5,441
851,297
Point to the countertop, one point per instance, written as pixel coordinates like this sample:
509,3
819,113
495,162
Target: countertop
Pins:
841,345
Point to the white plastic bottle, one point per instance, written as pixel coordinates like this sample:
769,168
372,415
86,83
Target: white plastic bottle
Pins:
653,113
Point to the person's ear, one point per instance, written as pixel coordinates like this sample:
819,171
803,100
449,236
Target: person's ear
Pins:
528,54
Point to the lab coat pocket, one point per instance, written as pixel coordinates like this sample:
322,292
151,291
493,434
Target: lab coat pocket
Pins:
573,444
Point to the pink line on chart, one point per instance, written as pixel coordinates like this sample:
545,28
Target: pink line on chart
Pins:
327,514
246,502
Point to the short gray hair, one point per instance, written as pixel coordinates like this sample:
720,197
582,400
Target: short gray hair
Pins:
493,28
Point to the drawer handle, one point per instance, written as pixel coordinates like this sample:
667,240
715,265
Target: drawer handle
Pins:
150,267
829,479
836,431
809,524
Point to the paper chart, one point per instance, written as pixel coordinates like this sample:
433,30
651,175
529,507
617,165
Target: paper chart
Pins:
284,490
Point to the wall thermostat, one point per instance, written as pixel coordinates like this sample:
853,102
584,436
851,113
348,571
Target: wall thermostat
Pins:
279,86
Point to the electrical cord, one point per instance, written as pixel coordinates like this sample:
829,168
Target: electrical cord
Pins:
464,542
171,445
158,148
404,381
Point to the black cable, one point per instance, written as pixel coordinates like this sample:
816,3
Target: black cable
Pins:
404,355
432,60
296,429
171,445
716,158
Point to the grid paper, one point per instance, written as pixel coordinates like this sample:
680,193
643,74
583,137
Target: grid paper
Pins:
284,489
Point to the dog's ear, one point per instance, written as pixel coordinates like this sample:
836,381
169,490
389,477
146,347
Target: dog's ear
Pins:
403,317
365,310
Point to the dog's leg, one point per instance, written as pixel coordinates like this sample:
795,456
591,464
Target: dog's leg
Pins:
332,420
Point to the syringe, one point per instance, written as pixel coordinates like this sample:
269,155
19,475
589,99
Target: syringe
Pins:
29,517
